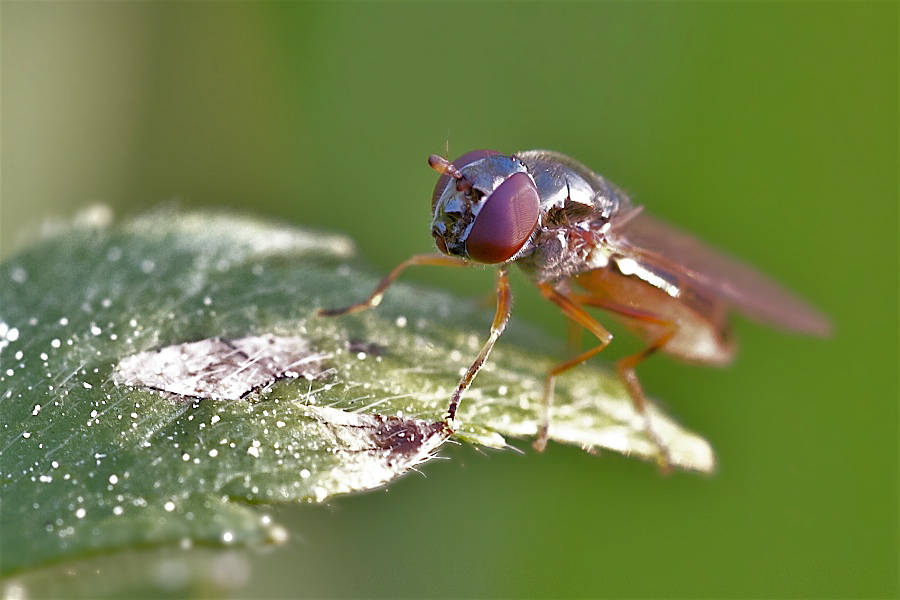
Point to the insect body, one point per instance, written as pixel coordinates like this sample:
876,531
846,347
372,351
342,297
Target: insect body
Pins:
585,245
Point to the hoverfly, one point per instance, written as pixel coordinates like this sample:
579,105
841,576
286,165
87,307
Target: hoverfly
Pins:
585,245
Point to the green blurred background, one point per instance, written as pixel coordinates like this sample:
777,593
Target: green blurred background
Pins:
769,129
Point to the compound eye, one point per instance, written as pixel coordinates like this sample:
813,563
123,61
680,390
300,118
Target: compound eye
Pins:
463,161
505,221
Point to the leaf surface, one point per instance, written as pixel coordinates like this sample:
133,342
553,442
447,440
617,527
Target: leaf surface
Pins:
162,375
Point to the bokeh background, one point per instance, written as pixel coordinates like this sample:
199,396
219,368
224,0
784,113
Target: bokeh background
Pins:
769,129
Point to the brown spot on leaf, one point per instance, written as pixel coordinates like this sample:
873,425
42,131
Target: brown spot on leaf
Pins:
398,442
370,348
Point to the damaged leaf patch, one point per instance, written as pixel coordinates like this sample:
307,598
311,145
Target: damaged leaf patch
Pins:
364,450
221,369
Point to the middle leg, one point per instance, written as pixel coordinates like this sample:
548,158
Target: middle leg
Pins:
578,315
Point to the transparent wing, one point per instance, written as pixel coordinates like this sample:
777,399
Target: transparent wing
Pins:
743,287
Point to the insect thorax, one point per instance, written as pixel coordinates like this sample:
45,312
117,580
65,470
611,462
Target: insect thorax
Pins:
576,207
560,251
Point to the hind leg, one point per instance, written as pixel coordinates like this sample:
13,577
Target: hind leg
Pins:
625,367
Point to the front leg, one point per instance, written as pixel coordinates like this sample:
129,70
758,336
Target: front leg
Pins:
434,259
504,302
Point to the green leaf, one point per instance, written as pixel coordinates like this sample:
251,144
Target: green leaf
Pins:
162,375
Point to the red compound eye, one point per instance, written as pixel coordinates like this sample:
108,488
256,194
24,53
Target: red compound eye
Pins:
461,162
505,222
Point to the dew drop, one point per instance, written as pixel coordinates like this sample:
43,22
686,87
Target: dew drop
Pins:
279,534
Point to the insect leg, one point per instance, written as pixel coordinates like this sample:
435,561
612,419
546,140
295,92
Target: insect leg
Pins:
625,366
574,335
504,302
580,316
434,259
